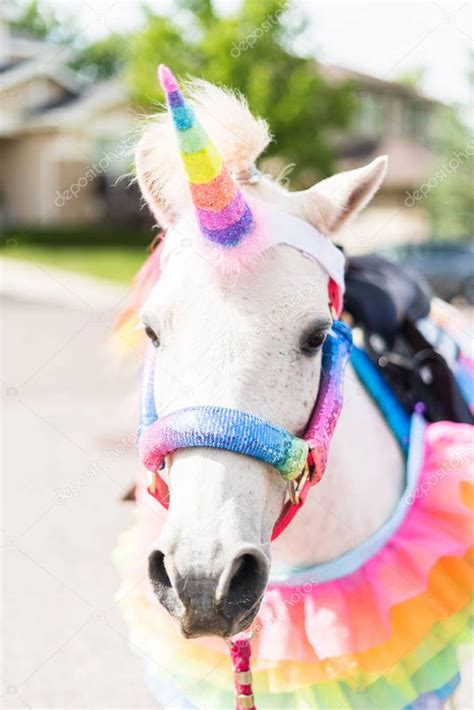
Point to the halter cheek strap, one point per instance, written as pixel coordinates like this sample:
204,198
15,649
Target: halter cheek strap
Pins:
301,462
336,351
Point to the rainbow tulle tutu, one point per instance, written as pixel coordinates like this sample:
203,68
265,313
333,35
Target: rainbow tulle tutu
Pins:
385,635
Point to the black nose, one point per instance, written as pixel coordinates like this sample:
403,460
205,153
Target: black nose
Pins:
219,602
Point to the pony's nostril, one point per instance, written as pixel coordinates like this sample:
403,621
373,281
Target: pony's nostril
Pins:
161,583
157,571
245,587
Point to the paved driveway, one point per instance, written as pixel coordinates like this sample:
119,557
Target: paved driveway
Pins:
68,411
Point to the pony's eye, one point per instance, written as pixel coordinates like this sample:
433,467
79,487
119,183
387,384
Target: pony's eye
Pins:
152,335
312,341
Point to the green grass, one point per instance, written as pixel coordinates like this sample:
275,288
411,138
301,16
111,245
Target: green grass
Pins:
115,263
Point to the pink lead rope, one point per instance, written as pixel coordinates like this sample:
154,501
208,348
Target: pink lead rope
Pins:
240,651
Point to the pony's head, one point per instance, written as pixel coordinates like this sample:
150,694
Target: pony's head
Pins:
237,319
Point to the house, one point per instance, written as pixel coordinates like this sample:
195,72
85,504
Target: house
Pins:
395,120
66,148
63,146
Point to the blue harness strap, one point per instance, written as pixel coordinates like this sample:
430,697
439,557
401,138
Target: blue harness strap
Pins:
396,416
409,432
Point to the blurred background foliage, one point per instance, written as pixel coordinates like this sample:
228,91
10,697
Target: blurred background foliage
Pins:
280,84
281,81
38,20
450,203
279,76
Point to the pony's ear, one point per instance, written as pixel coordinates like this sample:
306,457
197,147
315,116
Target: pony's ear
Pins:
331,202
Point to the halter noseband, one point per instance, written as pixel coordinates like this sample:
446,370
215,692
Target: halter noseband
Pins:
301,462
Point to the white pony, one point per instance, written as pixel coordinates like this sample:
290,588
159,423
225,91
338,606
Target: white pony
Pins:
245,332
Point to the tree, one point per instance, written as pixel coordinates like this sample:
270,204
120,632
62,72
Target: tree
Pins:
449,202
96,60
449,199
41,22
261,51
101,59
413,78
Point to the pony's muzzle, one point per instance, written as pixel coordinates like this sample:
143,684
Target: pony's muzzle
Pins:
219,598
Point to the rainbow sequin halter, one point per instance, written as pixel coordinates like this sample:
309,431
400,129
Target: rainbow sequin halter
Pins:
300,461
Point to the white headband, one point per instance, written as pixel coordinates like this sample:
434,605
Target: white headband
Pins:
285,228
282,228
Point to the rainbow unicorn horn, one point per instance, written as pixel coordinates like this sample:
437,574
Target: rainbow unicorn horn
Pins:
224,217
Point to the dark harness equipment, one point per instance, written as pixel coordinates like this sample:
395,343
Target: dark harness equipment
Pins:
387,302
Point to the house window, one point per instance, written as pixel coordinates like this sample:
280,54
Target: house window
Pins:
370,115
415,120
